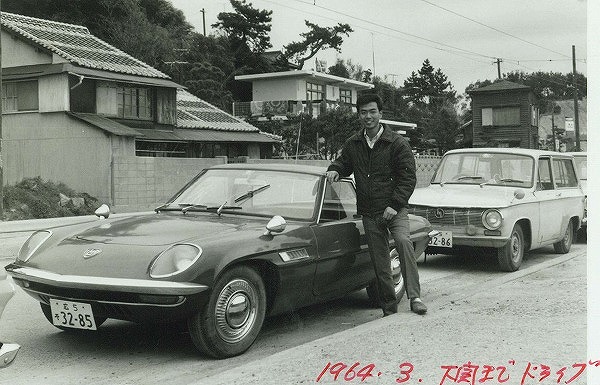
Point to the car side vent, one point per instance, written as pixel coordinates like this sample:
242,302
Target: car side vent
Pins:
294,255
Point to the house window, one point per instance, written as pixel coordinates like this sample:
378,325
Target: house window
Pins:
20,96
160,149
345,96
314,91
501,116
134,103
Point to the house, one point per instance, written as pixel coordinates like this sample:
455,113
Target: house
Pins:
564,126
292,92
79,111
505,114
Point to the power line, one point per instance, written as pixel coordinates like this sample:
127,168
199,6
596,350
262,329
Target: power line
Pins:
493,28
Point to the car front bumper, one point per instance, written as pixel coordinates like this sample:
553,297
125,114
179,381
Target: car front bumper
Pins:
127,299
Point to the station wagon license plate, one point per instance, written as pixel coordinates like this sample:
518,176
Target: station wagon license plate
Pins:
443,239
75,315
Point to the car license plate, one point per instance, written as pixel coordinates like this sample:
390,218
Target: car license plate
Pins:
75,315
443,239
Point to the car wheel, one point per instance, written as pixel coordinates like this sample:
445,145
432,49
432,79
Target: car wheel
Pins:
510,256
48,314
372,290
233,316
564,245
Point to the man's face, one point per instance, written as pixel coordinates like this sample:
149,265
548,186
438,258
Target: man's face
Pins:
369,115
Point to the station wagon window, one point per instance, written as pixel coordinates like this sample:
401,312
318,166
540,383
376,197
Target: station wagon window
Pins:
544,175
564,173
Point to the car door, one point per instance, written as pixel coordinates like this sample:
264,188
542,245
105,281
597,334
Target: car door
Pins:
549,204
343,259
569,193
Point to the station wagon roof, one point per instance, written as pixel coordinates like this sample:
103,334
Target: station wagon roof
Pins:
511,150
287,167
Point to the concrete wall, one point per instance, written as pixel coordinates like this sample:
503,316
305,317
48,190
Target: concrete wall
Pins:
143,183
57,148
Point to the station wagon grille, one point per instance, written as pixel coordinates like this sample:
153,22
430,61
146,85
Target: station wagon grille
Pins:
452,216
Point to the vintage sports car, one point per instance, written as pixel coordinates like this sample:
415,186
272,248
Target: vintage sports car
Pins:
8,352
508,199
239,242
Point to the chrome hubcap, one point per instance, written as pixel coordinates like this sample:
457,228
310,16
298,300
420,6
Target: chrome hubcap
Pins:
516,246
235,312
396,271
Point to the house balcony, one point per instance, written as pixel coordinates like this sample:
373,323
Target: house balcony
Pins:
282,108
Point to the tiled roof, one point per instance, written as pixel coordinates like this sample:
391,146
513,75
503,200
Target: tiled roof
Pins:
500,86
77,45
193,112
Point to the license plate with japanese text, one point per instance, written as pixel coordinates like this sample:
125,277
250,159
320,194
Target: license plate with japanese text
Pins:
70,314
443,239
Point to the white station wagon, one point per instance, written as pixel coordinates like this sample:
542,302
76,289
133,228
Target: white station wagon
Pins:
509,199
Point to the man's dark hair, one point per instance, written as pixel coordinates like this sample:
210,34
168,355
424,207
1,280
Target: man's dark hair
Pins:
368,98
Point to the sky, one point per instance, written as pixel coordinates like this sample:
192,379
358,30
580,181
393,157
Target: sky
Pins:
463,38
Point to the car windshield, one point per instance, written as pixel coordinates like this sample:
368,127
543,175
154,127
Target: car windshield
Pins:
252,192
485,168
581,165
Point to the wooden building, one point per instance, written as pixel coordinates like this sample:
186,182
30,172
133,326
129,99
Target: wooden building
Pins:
505,114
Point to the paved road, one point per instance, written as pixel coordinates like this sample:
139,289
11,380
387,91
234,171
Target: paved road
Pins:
125,353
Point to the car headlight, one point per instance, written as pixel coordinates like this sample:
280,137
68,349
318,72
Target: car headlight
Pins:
174,260
492,219
32,244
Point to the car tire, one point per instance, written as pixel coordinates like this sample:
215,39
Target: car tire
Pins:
399,287
564,245
48,314
510,256
233,316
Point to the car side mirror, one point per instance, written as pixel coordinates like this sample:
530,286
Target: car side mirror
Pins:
519,194
102,211
276,225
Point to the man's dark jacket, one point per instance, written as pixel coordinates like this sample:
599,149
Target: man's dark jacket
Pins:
385,175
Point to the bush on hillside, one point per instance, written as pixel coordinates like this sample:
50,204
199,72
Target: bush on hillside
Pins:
34,198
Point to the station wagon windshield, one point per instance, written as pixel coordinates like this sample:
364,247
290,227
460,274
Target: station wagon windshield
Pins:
252,192
486,169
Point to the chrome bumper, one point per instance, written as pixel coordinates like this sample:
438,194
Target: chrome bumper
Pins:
125,285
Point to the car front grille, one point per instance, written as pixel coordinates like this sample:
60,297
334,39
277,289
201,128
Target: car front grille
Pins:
452,216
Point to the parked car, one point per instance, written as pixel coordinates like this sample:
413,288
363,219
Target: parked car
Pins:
8,352
239,242
581,167
509,199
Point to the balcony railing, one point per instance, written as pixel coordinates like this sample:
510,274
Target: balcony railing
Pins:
282,108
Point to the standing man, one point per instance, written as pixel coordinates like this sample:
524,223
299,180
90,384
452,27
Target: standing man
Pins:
384,170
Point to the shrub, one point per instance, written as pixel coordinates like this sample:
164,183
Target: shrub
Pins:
34,198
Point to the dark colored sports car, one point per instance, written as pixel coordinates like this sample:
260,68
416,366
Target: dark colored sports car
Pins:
239,242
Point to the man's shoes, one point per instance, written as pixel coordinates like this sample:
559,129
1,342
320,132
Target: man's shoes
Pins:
417,306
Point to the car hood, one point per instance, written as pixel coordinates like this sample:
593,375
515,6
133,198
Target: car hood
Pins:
166,229
461,195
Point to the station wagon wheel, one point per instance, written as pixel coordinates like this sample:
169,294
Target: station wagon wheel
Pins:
372,290
510,256
233,316
564,245
48,314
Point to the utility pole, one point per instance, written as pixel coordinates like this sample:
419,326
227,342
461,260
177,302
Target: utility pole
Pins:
576,104
203,21
498,61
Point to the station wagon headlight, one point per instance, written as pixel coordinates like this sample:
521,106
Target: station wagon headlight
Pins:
32,244
492,219
174,260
